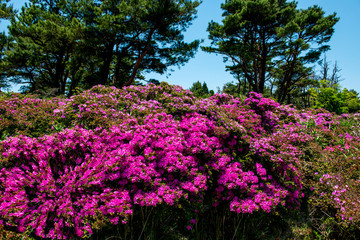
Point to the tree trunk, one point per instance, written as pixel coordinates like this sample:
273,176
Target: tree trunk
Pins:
59,71
263,59
285,84
244,87
105,68
140,58
116,81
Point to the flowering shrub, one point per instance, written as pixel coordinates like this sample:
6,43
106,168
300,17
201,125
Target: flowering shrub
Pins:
27,115
331,170
115,151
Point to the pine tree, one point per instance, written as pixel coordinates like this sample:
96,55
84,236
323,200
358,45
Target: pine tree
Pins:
63,44
46,34
6,12
268,41
200,90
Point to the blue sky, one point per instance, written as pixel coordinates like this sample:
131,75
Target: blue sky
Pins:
209,68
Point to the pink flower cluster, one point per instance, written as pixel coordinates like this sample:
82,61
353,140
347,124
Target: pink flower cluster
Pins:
163,146
150,146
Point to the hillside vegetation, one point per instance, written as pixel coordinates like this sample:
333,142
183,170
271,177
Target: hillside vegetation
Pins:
156,162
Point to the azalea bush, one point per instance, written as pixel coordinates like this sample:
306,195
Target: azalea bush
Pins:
26,115
331,171
157,161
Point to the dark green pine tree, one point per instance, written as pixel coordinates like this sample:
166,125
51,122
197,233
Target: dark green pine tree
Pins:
6,12
63,44
4,41
304,39
45,34
200,90
106,28
268,41
150,38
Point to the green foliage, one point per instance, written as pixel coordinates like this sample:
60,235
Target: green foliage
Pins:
201,90
6,11
232,89
45,36
6,234
240,90
331,172
335,100
269,41
26,115
60,45
4,40
351,100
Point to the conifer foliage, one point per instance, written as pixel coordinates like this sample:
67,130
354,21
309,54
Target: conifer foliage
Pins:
270,42
60,45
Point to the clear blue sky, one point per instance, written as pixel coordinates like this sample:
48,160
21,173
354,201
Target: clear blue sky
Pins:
209,68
